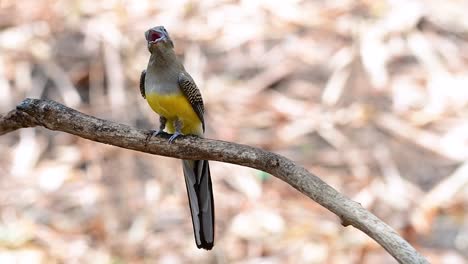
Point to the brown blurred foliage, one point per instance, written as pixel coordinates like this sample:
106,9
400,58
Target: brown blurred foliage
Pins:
370,95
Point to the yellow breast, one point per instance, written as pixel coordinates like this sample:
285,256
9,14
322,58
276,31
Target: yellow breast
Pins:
176,106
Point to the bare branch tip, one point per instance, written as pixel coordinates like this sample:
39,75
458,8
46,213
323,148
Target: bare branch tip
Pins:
25,104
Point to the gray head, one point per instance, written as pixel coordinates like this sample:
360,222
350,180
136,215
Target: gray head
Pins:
158,39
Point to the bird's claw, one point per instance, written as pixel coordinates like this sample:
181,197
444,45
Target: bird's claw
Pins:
153,133
174,136
157,132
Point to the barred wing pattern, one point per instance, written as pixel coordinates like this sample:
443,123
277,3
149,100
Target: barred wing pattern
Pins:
191,91
142,83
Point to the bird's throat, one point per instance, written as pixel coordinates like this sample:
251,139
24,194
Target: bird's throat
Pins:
162,57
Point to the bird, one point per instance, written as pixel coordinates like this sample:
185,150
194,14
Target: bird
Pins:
172,93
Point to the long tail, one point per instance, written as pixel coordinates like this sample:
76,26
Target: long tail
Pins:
200,195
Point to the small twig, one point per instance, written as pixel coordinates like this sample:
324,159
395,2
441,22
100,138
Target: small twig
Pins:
55,116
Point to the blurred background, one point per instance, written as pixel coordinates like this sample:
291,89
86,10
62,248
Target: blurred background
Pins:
372,96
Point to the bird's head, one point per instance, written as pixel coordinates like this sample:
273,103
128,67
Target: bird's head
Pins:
158,38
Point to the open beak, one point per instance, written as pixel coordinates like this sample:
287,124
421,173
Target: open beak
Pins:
154,36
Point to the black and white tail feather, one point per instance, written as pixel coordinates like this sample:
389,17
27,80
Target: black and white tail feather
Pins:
200,195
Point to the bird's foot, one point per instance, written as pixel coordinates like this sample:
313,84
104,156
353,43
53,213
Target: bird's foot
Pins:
174,136
153,133
156,132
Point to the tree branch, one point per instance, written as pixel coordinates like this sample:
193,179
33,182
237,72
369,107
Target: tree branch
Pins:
55,116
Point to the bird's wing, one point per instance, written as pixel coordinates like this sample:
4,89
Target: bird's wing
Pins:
192,93
142,83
